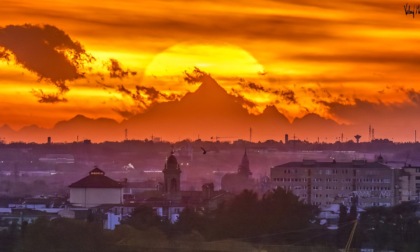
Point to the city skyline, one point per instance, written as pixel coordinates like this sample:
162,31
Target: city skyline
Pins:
349,65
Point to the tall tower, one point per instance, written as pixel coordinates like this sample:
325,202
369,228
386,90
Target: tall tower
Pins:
172,175
243,168
357,138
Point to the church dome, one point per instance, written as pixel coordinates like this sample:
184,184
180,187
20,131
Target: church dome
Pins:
172,160
171,163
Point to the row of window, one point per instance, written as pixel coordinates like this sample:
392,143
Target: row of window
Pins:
334,171
315,187
327,172
348,180
374,188
370,180
313,180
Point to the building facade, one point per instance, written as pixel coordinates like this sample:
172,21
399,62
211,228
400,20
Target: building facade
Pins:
409,183
326,183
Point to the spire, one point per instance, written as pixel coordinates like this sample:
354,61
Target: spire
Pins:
380,159
243,168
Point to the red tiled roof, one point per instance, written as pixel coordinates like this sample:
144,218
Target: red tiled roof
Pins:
96,179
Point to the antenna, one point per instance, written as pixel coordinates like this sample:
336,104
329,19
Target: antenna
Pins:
415,136
126,134
250,135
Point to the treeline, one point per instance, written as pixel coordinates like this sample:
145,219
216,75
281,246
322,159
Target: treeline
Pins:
277,221
275,218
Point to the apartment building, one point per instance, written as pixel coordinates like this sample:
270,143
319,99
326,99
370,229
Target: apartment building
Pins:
325,183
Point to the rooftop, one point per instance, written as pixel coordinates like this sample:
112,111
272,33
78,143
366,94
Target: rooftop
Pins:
96,179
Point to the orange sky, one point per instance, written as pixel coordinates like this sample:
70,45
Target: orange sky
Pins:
335,59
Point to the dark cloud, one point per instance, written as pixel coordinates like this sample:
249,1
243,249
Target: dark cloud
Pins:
288,96
125,113
4,54
195,76
322,95
152,94
47,51
413,95
242,100
123,90
48,97
116,71
256,87
144,98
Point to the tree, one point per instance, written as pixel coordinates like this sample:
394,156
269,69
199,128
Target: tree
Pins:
283,212
188,221
262,220
9,238
143,217
343,227
392,228
63,234
239,217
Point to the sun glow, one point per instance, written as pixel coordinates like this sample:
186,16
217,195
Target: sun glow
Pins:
223,61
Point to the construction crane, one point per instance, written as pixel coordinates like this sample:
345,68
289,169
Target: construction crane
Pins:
353,230
219,137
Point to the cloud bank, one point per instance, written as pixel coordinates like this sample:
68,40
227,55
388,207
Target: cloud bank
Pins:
46,51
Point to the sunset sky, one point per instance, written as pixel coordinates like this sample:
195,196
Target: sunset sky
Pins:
351,61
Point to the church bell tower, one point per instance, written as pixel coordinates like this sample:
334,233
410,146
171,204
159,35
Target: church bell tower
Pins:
172,175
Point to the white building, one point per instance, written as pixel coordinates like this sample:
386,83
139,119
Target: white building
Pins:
409,183
96,189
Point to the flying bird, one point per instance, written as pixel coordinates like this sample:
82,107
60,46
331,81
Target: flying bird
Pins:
204,151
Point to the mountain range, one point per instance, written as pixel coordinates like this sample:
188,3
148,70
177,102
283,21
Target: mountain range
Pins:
208,113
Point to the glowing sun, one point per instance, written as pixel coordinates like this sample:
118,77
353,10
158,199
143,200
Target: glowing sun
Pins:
222,61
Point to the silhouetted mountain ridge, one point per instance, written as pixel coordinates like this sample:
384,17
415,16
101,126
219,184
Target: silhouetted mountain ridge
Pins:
208,112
